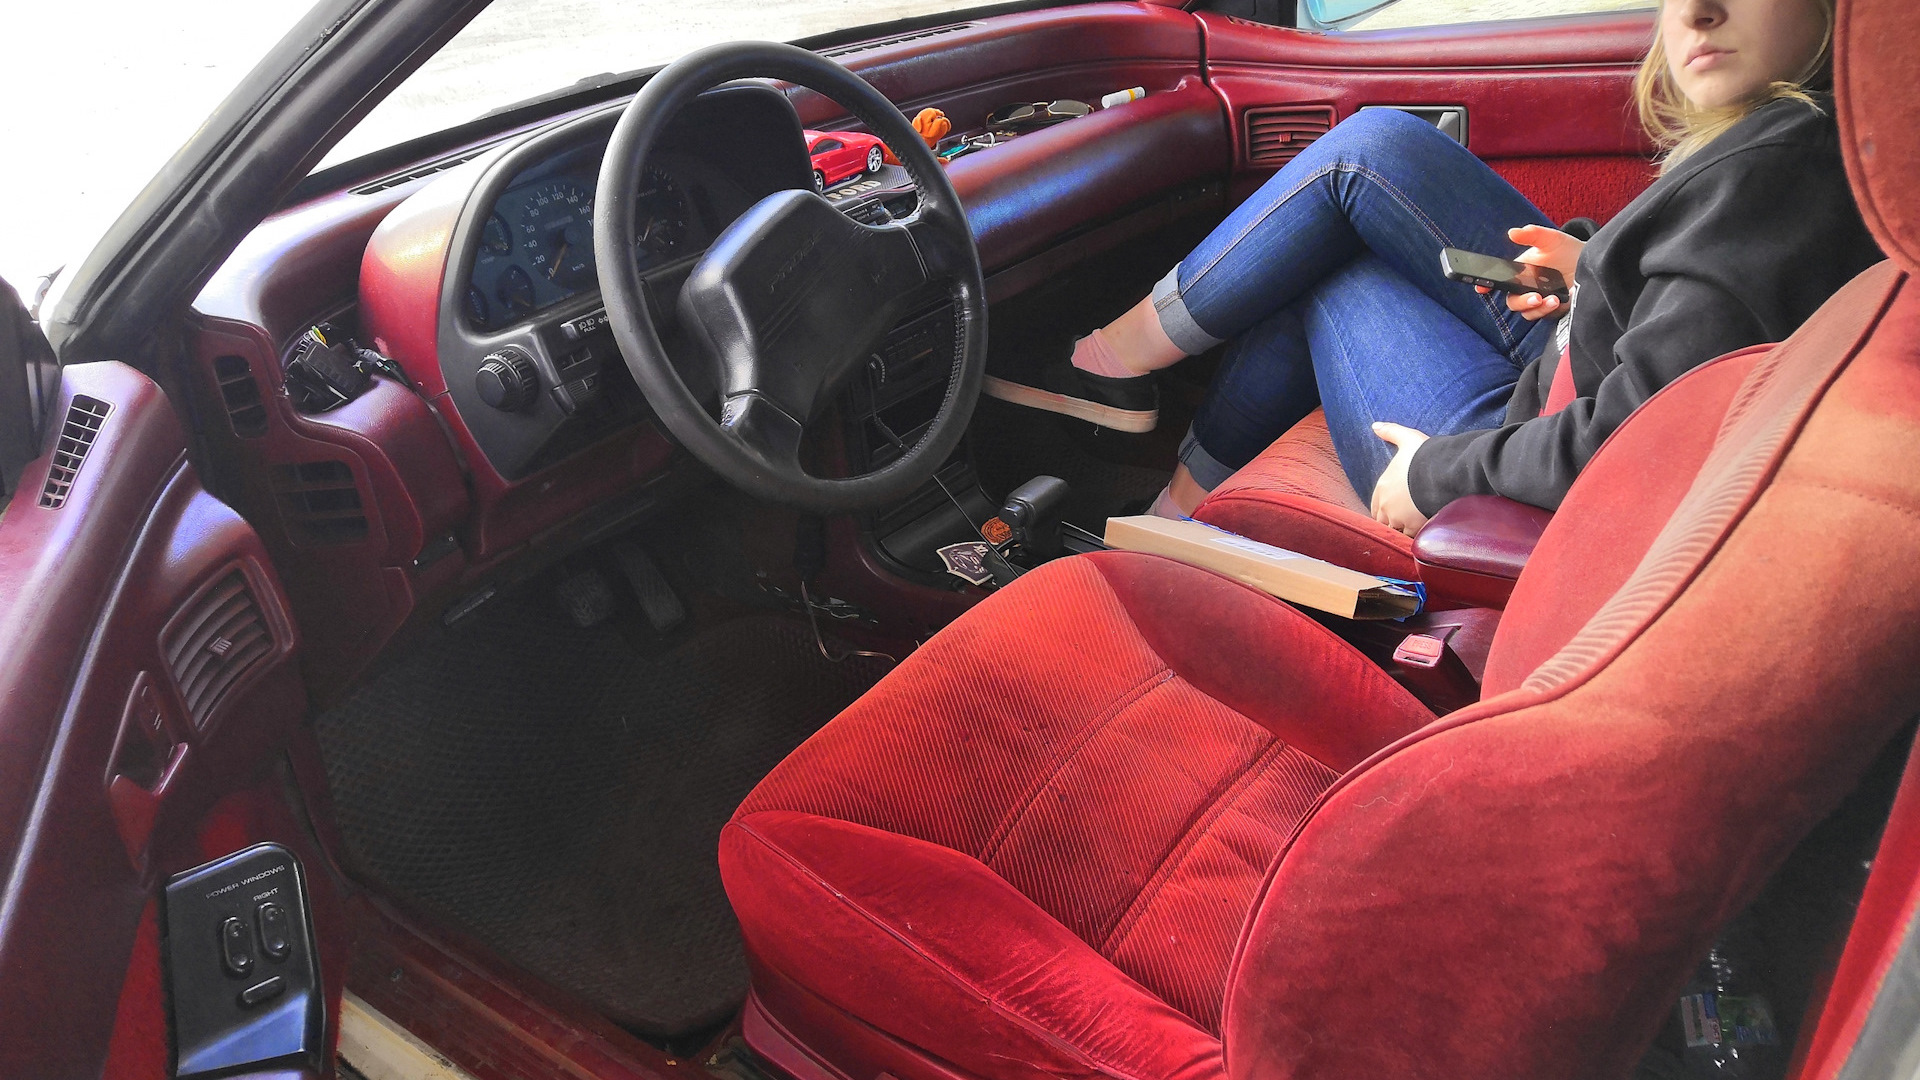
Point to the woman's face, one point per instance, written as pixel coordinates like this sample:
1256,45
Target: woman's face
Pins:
1723,52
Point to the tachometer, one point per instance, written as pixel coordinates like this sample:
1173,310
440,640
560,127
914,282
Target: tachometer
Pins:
556,233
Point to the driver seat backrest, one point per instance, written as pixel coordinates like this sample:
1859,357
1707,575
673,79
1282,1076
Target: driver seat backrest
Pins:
1519,888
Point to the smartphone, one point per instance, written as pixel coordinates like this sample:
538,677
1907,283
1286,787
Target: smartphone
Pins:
1503,275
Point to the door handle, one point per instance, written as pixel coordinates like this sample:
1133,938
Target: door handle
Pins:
1450,119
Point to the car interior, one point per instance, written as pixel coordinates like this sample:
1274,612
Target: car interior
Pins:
545,663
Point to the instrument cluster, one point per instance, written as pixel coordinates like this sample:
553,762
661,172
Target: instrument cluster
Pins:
536,247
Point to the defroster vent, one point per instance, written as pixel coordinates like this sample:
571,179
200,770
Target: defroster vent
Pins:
1276,136
84,419
214,641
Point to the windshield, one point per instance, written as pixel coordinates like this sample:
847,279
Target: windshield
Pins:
519,49
95,96
105,91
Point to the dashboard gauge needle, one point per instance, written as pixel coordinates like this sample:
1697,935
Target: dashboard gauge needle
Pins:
554,266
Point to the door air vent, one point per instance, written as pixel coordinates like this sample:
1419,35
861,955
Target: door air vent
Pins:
1276,136
320,502
881,43
245,411
212,642
417,172
84,419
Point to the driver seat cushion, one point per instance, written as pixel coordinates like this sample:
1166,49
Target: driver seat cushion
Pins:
1086,825
1294,495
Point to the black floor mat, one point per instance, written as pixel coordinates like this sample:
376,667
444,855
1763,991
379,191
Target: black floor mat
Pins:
560,796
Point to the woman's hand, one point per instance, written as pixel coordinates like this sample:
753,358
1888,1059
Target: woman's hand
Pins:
1548,247
1392,500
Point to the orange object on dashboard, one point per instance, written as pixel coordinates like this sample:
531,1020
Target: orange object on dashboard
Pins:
932,124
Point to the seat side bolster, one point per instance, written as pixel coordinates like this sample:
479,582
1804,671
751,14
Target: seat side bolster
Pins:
937,951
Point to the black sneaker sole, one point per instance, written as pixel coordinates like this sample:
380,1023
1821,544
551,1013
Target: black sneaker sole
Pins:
1137,421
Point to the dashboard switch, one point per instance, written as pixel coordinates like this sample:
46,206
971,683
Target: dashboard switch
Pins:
275,941
236,946
507,380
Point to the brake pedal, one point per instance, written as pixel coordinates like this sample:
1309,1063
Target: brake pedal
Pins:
587,597
658,602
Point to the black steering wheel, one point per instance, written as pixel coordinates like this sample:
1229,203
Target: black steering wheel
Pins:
792,297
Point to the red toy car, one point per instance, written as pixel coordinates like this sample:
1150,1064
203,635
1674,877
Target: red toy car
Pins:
841,155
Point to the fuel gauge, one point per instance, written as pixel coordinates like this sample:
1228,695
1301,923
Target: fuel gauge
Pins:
516,291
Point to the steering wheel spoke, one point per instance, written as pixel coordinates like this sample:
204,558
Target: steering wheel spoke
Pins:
791,298
764,429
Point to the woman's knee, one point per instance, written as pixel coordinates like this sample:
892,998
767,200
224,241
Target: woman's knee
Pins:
1380,137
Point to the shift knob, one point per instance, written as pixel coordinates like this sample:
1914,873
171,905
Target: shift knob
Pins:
507,380
1033,511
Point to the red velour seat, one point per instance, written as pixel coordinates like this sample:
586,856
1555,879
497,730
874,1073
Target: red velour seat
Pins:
1295,496
1129,819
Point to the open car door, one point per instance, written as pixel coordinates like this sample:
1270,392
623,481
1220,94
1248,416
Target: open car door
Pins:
164,907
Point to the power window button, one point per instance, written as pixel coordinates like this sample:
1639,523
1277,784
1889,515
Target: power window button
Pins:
275,940
236,946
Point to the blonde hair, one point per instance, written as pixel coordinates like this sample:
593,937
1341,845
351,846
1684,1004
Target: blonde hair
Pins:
1679,128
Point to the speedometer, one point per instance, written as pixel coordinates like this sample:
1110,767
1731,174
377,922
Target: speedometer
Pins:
556,234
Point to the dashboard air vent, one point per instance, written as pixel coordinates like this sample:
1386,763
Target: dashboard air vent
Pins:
84,419
211,643
320,502
416,172
1276,136
881,43
245,411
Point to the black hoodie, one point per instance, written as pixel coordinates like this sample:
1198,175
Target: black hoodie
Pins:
1736,246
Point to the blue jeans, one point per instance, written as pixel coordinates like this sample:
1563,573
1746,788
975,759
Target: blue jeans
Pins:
1327,284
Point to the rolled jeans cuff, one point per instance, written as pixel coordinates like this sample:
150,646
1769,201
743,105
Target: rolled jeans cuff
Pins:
1176,320
1206,470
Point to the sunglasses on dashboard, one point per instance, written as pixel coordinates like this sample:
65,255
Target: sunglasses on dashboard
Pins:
1029,115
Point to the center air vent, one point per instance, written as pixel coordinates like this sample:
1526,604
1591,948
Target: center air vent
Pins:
84,419
1276,136
213,642
320,502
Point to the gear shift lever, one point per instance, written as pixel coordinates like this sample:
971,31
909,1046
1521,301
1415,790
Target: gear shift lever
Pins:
1033,512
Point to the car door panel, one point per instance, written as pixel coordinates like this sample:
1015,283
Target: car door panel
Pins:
138,610
1547,100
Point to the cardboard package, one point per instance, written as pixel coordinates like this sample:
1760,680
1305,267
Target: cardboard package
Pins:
1288,575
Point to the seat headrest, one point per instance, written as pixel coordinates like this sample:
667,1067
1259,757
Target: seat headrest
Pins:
1876,68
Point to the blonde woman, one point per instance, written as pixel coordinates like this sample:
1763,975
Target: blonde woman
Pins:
1327,286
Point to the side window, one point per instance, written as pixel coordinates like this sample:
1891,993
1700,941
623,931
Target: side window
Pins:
825,145
1390,14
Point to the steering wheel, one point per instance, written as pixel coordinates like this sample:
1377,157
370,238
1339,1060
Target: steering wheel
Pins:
790,298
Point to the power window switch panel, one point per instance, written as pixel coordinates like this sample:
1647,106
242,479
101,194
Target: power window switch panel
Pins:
243,985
